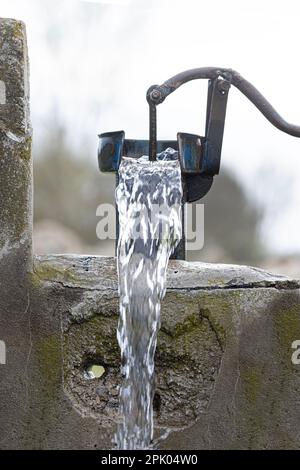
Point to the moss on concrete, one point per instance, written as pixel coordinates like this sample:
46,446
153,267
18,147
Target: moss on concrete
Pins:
188,325
49,272
18,29
287,326
48,352
215,323
252,382
25,149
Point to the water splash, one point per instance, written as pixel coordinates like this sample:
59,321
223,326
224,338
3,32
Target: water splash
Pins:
149,198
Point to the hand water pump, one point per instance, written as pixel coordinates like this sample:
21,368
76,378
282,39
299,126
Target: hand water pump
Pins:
199,156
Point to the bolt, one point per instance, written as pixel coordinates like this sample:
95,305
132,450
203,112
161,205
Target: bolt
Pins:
155,95
223,86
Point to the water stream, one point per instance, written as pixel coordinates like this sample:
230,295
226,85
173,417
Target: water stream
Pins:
149,198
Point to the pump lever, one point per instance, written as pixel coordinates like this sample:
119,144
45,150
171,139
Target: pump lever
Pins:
158,93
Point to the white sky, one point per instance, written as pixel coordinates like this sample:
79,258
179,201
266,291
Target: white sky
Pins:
92,62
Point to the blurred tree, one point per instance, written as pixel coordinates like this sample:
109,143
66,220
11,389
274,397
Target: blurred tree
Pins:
68,186
231,224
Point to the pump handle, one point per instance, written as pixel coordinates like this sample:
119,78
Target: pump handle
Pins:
158,93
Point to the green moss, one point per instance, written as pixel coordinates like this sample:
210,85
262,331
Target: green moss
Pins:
49,361
16,219
18,29
251,417
46,392
252,383
25,149
215,324
189,325
49,272
215,306
287,326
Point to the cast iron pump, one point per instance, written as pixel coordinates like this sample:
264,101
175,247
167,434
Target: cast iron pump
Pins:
199,156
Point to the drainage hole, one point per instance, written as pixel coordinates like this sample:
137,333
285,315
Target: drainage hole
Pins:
94,371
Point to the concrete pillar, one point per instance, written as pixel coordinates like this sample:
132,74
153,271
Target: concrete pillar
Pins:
15,224
15,148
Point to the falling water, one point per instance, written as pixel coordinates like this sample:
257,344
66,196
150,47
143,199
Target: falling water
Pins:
149,198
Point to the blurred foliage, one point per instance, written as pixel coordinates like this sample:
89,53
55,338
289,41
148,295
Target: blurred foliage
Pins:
69,187
232,224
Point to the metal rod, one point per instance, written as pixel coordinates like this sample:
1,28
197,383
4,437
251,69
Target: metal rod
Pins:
152,133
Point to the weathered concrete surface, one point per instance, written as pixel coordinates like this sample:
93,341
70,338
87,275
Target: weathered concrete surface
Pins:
15,153
15,223
224,370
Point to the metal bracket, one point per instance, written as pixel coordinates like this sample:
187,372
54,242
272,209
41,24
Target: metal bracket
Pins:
215,122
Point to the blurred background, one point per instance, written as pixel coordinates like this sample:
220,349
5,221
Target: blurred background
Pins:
91,64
